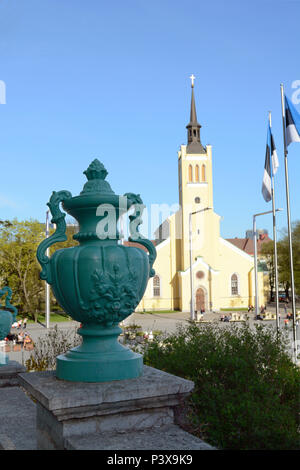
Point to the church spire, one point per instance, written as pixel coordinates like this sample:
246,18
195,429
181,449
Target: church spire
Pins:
193,127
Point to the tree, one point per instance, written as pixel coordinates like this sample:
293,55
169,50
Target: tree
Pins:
18,264
283,259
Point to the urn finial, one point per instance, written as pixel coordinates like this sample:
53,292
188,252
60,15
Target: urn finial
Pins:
96,174
96,170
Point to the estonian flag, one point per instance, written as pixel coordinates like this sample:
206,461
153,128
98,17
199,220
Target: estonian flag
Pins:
292,122
271,155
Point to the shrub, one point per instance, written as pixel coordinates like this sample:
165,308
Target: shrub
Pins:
246,393
47,348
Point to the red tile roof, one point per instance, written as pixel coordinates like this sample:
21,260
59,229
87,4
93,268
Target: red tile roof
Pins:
137,245
246,244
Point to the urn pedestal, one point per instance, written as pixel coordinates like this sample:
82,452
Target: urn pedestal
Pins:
100,358
99,282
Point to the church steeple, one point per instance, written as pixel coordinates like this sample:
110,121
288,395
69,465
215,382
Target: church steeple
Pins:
193,127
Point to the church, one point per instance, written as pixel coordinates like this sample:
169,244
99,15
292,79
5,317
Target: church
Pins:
196,269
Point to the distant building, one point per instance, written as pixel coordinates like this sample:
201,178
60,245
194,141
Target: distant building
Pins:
247,245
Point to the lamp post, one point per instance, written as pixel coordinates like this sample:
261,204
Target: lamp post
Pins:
191,260
255,264
47,303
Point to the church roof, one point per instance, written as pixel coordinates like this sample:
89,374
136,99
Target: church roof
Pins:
246,244
137,245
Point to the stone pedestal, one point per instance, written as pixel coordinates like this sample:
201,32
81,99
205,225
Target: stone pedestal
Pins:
9,373
123,414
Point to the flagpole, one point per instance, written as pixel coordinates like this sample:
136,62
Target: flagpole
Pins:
289,224
255,265
47,303
275,240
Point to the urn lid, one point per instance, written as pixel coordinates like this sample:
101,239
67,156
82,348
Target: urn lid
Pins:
96,174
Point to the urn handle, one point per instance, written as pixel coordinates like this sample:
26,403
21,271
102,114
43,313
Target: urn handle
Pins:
7,301
59,235
135,221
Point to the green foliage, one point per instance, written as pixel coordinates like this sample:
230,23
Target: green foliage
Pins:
18,264
48,347
246,393
283,258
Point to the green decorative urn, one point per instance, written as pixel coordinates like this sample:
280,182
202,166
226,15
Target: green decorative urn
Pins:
99,282
6,319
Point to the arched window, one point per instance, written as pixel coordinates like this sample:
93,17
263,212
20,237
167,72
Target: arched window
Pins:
190,174
197,174
234,285
156,286
203,173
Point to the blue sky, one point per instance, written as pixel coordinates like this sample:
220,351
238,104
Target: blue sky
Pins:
87,79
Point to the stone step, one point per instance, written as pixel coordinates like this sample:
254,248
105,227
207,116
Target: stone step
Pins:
169,437
17,420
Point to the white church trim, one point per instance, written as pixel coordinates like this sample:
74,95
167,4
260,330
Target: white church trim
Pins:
236,249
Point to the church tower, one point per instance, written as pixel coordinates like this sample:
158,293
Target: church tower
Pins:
195,185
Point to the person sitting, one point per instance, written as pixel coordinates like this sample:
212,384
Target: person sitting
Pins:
222,318
20,338
27,341
262,309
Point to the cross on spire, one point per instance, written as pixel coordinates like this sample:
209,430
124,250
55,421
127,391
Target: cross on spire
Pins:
192,77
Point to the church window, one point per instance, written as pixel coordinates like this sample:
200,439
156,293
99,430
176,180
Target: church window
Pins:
197,174
197,200
190,174
156,286
203,173
234,285
194,132
200,274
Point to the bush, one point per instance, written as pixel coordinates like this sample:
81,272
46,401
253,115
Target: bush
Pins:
47,348
246,393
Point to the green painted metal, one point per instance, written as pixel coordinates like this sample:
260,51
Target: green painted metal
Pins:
99,282
6,319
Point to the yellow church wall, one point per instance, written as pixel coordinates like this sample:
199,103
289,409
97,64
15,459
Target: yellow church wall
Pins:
165,268
234,261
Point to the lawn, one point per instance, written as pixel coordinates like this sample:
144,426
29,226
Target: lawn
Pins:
54,317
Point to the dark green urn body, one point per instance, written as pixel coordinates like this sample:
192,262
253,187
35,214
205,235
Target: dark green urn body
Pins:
99,282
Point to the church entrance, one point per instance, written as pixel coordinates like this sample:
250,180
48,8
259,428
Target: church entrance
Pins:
200,300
